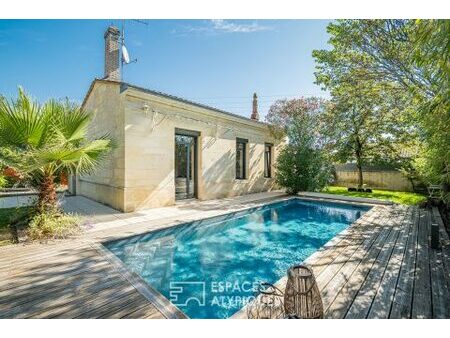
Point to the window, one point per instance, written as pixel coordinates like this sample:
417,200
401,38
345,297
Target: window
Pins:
241,159
268,160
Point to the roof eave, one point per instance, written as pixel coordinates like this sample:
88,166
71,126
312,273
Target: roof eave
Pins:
124,86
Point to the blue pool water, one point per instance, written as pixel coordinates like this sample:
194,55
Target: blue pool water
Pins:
211,268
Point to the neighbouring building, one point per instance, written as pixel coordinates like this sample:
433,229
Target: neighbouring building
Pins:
168,148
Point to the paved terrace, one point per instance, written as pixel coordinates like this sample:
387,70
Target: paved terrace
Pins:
381,267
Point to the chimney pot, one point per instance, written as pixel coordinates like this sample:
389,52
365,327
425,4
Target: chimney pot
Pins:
255,115
112,54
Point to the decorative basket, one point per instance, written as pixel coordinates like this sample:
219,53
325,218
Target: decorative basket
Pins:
302,297
268,304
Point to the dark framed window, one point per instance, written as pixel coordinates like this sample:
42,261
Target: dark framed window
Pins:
268,160
241,158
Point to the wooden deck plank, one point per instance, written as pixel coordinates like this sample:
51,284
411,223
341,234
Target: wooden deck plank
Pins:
33,253
403,295
445,245
47,263
126,301
345,297
328,254
138,311
338,257
48,302
439,284
363,300
421,306
40,278
439,289
63,308
382,302
37,293
334,287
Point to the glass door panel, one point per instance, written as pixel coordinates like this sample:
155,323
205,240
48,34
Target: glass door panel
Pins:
185,166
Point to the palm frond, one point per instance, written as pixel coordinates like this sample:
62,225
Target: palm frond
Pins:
47,139
22,123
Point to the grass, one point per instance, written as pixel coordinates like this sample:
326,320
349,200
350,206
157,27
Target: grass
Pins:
400,197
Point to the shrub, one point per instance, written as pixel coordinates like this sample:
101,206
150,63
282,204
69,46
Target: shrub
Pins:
301,168
52,225
3,181
302,164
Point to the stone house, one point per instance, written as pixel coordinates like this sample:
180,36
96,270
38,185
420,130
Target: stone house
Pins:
168,148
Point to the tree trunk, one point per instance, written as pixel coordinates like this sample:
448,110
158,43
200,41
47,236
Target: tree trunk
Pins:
411,180
360,176
358,155
47,200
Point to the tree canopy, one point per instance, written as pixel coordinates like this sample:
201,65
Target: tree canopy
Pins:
400,68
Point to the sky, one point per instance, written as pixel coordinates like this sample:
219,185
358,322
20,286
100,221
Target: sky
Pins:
220,63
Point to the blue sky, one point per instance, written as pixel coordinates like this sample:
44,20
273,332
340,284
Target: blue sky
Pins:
216,62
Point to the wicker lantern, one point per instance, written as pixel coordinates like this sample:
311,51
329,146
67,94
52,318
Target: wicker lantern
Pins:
268,304
302,296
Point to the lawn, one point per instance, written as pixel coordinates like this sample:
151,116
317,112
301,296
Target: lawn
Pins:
401,197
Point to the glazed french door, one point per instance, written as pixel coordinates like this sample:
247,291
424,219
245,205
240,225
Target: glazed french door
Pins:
185,166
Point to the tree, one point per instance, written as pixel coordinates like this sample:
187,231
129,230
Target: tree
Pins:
362,124
301,164
42,142
412,57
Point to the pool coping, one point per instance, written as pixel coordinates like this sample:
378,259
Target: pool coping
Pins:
162,303
327,196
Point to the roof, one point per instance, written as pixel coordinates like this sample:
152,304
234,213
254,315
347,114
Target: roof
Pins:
124,86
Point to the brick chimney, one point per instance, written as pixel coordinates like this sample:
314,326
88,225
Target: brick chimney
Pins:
255,115
112,54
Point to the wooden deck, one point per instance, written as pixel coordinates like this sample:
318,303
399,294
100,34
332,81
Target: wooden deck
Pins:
68,282
380,267
385,268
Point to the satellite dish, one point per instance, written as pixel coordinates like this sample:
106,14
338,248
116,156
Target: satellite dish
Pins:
125,56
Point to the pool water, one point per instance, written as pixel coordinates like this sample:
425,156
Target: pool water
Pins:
211,268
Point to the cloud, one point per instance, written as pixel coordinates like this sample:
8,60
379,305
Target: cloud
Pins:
218,26
232,27
137,43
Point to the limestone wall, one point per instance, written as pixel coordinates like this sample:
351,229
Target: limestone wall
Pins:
150,123
106,185
389,180
140,172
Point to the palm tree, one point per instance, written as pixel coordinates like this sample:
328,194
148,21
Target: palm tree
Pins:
43,142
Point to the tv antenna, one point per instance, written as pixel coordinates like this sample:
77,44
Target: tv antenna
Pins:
125,58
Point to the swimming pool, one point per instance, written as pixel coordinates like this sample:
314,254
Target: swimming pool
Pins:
211,268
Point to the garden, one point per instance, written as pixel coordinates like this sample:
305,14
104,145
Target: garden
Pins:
40,146
388,105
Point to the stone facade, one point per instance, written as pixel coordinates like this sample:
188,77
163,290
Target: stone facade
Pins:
140,172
